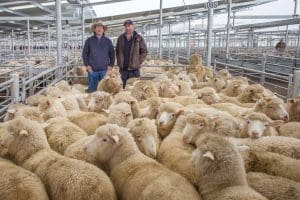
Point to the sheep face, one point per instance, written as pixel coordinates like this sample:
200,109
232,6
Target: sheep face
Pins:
165,121
99,101
144,132
252,93
197,125
218,83
256,128
168,91
224,74
273,108
209,97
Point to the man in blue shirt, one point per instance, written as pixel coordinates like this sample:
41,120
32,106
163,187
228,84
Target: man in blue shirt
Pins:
98,55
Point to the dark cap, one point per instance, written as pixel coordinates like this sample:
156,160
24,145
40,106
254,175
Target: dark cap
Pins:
128,21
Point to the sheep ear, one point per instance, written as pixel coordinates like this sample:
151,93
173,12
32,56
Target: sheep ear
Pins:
132,102
145,87
235,86
107,111
23,133
180,112
209,155
115,138
11,111
276,123
106,78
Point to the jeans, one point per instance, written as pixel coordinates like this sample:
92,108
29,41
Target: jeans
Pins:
126,74
94,78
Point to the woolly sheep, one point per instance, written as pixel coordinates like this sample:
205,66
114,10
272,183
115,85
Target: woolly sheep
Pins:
17,110
130,83
120,114
19,184
143,177
81,88
176,154
61,133
144,89
274,187
64,86
220,170
52,108
144,132
166,117
293,108
234,88
272,164
111,83
78,75
273,107
208,95
232,109
286,146
186,100
99,101
151,107
258,124
168,89
34,100
123,97
290,129
199,122
217,83
88,121
184,88
27,144
224,74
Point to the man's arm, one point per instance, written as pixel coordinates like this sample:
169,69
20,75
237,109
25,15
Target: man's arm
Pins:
111,55
143,50
85,53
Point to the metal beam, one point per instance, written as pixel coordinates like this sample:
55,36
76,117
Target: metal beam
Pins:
209,32
263,16
228,29
82,26
58,33
44,8
35,18
103,2
160,27
28,37
295,7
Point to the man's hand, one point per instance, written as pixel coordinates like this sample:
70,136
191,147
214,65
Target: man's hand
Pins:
109,68
89,68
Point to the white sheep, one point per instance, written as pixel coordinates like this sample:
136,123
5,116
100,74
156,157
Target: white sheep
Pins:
52,108
144,89
120,114
111,82
143,177
220,170
29,112
293,108
19,184
290,129
144,132
208,95
26,143
124,97
99,101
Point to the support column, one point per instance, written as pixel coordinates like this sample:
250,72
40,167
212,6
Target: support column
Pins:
12,43
28,38
169,41
209,33
82,26
295,7
49,40
189,41
160,29
228,29
58,34
287,35
15,90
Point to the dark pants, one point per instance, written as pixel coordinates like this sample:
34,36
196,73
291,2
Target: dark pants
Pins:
94,78
126,74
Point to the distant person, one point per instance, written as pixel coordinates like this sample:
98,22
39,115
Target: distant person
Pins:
98,55
131,51
280,46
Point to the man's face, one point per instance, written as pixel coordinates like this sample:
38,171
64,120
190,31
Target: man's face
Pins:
99,30
129,28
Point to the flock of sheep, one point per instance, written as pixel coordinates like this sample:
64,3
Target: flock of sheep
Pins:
187,134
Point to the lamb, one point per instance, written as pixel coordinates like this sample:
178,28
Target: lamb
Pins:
143,177
78,75
234,88
34,100
274,187
145,135
293,108
196,67
52,108
258,124
151,108
111,83
144,89
166,117
26,143
61,133
220,170
286,146
290,129
19,184
167,89
176,154
186,100
120,114
70,102
184,88
273,107
217,83
17,110
272,164
224,74
123,97
208,95
88,121
201,121
100,101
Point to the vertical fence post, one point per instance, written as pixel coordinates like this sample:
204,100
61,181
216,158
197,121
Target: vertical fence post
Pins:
30,75
263,66
290,87
296,83
15,88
